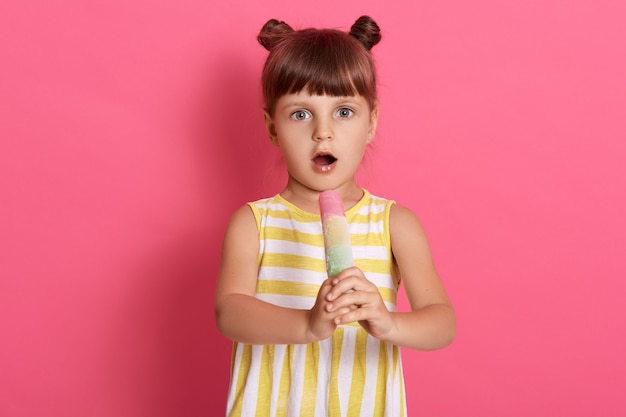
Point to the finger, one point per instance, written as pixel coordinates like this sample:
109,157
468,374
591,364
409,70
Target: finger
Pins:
340,311
325,288
357,315
349,286
347,273
349,317
348,283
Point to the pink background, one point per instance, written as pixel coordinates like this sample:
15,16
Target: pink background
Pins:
130,130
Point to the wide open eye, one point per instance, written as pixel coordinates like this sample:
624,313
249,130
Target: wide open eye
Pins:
300,115
345,112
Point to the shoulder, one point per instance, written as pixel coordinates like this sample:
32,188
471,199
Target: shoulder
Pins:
243,222
402,215
406,229
241,239
246,220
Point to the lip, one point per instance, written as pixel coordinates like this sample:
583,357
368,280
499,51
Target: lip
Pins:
324,161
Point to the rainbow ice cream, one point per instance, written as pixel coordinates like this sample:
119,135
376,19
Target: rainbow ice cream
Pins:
335,230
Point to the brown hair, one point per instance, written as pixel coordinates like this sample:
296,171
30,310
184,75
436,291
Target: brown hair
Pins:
322,61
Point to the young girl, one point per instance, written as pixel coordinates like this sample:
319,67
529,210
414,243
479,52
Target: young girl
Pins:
306,344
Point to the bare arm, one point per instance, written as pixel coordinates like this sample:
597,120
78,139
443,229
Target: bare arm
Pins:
242,317
431,323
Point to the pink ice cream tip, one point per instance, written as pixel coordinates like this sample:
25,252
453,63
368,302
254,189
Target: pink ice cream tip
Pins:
331,204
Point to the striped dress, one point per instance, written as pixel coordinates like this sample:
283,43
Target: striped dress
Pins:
350,374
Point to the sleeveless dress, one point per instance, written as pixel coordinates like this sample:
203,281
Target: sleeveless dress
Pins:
350,374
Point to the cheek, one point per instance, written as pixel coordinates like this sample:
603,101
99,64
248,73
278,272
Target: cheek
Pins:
293,152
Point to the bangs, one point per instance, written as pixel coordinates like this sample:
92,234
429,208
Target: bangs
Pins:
321,63
323,77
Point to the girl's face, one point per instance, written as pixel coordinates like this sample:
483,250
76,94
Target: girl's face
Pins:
322,138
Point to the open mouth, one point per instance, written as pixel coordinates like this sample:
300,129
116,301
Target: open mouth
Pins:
324,159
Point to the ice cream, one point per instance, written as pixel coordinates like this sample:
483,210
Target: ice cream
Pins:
337,245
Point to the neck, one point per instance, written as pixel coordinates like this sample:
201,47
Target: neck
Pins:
307,198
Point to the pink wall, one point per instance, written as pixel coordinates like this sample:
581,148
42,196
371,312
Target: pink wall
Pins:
130,130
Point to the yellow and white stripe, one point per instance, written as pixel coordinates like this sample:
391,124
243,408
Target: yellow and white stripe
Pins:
350,374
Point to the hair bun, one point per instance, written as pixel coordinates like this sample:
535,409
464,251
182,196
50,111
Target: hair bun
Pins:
366,31
272,33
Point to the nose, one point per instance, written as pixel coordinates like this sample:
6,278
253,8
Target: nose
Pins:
323,130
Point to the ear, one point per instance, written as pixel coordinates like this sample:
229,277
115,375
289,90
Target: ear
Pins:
373,124
271,128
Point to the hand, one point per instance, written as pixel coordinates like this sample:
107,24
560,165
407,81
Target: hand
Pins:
358,299
322,320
